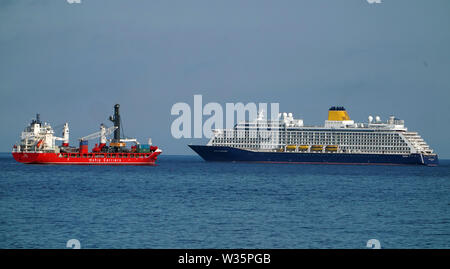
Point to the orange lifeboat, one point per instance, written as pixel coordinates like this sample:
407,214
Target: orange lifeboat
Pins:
39,143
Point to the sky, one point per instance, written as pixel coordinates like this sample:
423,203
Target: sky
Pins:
73,62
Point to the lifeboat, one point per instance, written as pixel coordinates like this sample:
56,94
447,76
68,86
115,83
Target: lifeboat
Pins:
291,147
39,144
303,147
331,148
317,147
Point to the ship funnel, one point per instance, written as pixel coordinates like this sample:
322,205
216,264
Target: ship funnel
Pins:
337,113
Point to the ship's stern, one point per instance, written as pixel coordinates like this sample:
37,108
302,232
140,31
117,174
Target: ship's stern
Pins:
24,157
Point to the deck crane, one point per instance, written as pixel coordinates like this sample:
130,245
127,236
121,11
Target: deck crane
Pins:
102,134
65,136
126,140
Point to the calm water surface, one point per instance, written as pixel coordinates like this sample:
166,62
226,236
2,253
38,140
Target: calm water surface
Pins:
185,202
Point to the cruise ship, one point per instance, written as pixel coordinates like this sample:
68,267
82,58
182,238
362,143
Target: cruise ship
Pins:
339,141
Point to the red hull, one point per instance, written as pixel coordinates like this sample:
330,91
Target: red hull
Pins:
87,159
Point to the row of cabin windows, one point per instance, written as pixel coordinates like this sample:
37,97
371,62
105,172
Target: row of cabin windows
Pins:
396,142
304,133
311,137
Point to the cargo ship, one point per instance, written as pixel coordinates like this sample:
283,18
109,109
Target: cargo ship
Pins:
38,146
339,141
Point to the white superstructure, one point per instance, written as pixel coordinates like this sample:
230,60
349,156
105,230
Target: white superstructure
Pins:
40,137
339,135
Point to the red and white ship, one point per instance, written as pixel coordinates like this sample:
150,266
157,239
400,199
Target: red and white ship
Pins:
38,146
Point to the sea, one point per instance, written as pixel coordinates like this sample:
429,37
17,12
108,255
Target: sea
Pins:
185,202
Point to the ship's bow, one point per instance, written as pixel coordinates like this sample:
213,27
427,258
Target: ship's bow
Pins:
431,160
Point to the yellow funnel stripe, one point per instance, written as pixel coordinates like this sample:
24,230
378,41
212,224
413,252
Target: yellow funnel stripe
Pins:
338,115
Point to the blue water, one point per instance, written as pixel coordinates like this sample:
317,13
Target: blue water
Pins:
187,203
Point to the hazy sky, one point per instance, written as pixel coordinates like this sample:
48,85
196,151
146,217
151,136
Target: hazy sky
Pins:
73,62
